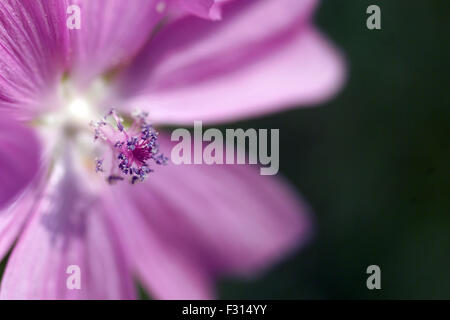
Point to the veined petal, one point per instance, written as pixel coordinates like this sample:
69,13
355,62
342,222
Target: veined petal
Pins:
68,228
111,33
12,220
19,159
207,9
166,271
195,45
208,220
264,56
33,46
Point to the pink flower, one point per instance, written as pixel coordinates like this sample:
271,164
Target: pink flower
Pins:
179,60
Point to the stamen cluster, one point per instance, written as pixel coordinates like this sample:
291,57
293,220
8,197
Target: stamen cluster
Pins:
132,148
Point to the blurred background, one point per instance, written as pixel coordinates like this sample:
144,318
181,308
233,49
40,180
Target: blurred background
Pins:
373,163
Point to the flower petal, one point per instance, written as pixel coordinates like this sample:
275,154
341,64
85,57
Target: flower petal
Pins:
264,56
165,270
12,220
67,228
207,9
219,218
33,44
19,159
111,33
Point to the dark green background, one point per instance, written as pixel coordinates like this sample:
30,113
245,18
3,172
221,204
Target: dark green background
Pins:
373,163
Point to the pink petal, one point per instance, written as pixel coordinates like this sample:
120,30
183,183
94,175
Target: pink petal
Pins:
111,33
19,159
208,220
208,9
12,220
68,227
165,270
264,56
33,43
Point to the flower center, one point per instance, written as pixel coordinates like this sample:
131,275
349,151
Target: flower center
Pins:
131,148
72,112
122,148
